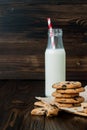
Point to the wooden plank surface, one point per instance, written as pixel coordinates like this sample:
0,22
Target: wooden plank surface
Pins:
17,99
44,2
23,37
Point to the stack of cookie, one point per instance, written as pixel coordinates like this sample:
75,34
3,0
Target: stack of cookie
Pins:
67,93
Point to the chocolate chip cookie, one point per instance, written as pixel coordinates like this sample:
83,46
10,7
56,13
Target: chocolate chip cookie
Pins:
66,85
77,99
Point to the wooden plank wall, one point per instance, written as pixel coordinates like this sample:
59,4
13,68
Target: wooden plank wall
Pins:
23,36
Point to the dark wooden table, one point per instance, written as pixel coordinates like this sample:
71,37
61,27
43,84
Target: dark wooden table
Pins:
16,102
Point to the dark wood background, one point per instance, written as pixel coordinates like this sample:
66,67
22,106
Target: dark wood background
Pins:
23,37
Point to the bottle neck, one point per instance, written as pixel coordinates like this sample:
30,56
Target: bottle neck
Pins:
55,39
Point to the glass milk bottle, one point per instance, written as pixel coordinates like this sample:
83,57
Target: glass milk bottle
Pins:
55,61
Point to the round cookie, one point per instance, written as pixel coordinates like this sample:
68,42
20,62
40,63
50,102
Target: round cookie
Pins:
84,107
60,95
77,99
67,85
85,111
74,90
38,111
64,105
40,104
68,105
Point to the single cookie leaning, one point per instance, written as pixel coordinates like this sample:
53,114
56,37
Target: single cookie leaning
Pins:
73,90
67,85
62,95
77,99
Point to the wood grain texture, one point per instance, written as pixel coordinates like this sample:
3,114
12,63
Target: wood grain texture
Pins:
16,102
23,37
17,99
44,2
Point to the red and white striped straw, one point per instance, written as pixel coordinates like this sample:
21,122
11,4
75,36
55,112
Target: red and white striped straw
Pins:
51,32
49,24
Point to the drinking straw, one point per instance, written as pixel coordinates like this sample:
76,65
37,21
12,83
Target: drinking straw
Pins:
51,32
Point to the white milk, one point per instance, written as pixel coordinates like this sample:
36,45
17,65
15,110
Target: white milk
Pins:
54,68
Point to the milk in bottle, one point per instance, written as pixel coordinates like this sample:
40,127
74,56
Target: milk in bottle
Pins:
55,62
